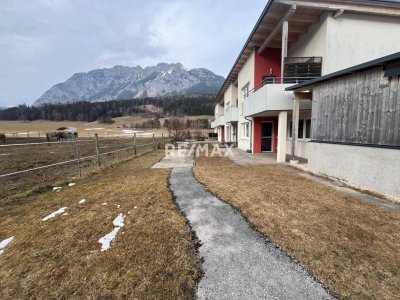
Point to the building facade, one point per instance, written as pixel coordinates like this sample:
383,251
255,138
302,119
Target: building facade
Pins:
355,134
296,41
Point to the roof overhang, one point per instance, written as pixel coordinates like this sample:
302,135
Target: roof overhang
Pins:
301,14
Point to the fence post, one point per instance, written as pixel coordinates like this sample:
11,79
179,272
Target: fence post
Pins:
154,142
78,157
96,141
134,143
117,151
162,139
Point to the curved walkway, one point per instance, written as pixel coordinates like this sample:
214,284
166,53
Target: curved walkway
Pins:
238,262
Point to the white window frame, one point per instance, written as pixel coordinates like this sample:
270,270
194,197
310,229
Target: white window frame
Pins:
244,91
303,138
246,130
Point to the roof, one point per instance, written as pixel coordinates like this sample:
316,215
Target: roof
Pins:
355,69
301,14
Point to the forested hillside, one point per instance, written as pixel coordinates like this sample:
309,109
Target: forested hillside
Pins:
88,112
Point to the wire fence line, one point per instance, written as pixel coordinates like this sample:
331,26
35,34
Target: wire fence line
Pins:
87,133
43,143
32,165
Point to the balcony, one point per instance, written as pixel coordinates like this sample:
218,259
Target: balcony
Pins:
231,114
271,96
219,121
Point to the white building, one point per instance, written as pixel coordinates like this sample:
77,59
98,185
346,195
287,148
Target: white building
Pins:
294,41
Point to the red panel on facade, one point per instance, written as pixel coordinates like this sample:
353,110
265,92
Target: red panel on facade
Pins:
257,133
223,134
269,59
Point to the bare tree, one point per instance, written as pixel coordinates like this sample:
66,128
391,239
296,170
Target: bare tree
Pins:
176,129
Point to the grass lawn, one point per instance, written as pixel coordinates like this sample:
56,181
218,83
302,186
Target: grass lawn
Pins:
152,257
350,246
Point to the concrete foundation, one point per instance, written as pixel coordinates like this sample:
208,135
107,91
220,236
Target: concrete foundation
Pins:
369,168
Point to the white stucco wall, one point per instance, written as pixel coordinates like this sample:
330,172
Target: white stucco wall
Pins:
355,38
245,76
348,40
302,147
375,169
230,95
313,43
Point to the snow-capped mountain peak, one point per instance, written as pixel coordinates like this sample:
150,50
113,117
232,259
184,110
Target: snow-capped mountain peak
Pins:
122,82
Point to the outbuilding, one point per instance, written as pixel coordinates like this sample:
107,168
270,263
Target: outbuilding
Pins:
355,124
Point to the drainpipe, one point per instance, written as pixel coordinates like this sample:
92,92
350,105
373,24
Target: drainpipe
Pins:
251,134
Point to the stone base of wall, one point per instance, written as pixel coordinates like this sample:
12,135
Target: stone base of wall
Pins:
367,168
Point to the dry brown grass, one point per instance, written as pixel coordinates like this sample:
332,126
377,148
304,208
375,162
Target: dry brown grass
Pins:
350,246
153,256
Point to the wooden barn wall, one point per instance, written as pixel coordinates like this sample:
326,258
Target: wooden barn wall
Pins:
357,108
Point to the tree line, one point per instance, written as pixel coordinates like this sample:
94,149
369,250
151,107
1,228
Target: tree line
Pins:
83,111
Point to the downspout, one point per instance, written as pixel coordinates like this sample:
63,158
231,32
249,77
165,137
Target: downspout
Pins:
251,134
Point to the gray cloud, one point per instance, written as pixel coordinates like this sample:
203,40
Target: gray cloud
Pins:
43,42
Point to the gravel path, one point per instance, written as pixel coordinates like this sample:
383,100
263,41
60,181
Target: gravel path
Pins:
238,262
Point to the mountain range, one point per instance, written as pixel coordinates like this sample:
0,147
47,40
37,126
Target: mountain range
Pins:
122,82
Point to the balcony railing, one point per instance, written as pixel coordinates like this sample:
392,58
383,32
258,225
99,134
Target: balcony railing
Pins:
231,114
271,96
219,121
302,67
278,80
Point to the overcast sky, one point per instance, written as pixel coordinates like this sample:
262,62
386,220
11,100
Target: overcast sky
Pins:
43,42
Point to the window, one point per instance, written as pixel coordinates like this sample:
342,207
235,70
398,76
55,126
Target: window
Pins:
304,129
301,129
245,91
245,129
308,129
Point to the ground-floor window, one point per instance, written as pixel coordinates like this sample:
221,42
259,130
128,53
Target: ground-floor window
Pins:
304,131
245,129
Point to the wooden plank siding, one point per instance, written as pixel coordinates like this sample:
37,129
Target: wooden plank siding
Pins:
361,108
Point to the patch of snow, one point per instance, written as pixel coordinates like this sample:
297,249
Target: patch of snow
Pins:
65,214
4,244
5,154
119,220
71,184
146,134
128,131
89,129
135,207
106,240
55,214
82,201
104,203
56,188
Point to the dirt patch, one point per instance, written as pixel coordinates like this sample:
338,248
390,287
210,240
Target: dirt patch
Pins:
350,246
152,257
